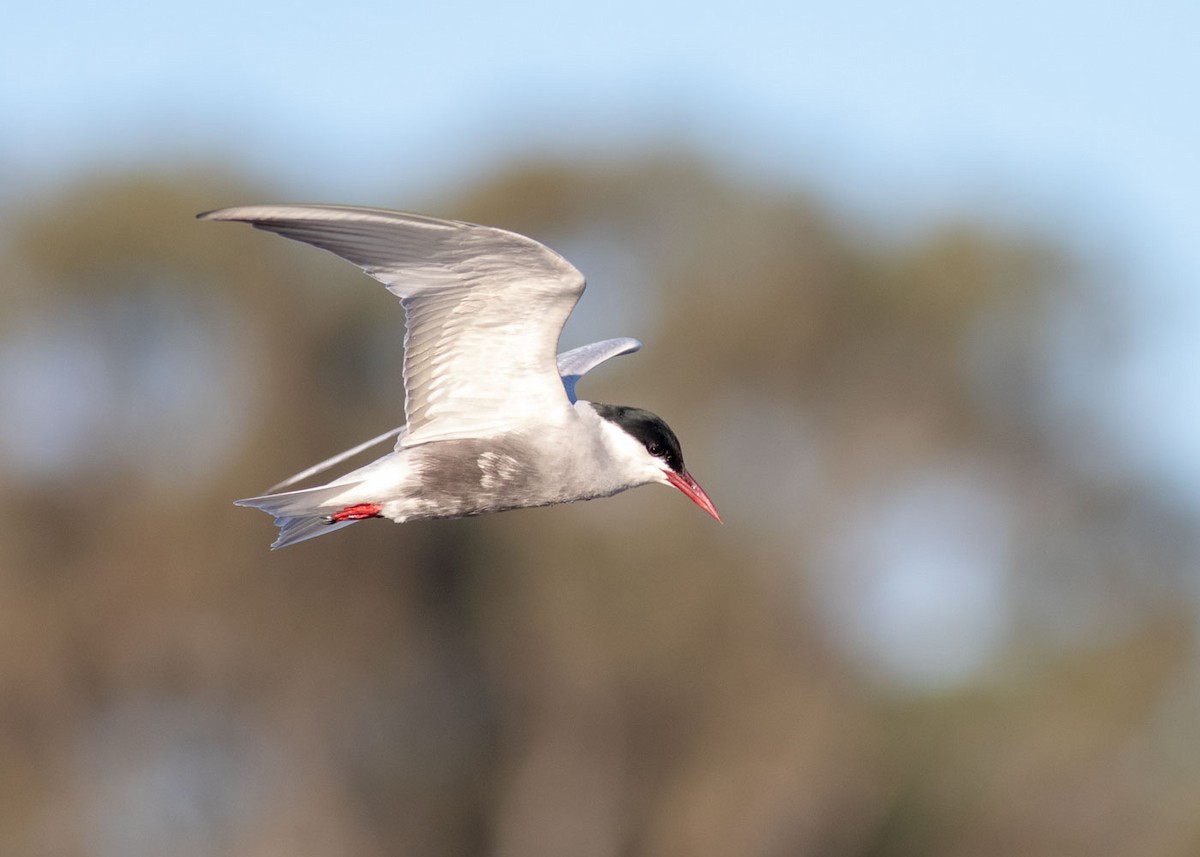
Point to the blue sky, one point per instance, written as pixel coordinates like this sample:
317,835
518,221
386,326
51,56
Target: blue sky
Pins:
1066,93
1077,116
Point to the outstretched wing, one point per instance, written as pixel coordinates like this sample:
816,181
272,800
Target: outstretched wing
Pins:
574,364
485,309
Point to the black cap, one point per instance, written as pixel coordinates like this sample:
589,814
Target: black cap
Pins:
648,429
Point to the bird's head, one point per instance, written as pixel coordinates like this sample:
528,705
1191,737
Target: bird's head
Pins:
655,453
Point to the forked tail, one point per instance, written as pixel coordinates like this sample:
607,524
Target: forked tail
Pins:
301,515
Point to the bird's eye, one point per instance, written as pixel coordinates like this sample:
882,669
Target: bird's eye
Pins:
655,450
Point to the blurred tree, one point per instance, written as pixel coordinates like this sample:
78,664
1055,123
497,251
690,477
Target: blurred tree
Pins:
933,624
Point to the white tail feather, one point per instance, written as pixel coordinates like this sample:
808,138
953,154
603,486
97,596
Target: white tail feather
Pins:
300,515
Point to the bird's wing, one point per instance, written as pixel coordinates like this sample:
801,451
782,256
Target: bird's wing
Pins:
574,364
337,459
485,309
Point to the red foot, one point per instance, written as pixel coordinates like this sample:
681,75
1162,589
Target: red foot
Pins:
356,513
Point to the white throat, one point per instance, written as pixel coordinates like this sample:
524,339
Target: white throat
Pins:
624,459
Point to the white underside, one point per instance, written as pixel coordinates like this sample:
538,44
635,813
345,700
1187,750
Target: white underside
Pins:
580,457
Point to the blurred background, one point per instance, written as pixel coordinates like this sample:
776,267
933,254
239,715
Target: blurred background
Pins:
917,287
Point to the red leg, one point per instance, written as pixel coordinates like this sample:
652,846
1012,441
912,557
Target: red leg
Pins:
356,513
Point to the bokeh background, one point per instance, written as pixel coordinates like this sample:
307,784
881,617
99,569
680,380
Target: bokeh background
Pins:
917,284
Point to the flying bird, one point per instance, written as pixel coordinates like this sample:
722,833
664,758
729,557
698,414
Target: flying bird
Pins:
492,419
